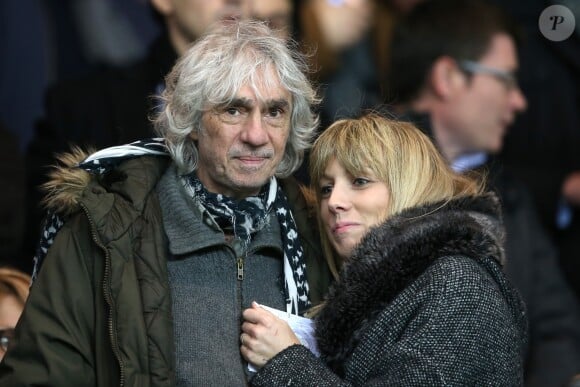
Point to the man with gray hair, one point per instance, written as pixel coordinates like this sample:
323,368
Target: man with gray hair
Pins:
148,260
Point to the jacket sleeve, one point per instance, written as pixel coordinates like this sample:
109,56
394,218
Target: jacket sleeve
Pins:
454,327
296,366
55,334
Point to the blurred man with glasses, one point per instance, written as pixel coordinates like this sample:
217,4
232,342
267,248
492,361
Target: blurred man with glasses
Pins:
453,73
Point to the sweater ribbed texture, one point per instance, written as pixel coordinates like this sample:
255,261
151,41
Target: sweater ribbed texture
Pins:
206,295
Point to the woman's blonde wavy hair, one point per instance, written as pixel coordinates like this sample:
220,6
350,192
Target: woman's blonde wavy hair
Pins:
398,154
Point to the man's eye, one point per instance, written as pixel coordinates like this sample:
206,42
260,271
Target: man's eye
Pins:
232,111
275,112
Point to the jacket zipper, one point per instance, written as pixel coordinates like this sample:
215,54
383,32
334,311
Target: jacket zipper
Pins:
240,264
240,275
108,297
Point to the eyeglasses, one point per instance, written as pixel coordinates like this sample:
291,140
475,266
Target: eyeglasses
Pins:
507,78
6,336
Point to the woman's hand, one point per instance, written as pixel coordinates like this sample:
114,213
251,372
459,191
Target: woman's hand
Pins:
264,335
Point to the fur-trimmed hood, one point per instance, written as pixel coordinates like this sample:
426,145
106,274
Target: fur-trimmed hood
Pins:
72,176
66,182
394,254
80,175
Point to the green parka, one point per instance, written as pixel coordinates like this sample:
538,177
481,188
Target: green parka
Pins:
99,313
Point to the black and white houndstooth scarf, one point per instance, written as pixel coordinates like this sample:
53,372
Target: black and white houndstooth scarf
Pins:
244,217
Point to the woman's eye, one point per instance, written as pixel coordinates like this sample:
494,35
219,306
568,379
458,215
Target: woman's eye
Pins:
325,190
360,181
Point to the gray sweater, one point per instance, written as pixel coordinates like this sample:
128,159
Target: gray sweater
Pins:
207,296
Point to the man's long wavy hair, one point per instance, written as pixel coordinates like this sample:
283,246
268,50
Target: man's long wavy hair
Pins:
214,69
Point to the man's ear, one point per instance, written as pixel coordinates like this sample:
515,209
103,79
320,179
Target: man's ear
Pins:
164,7
445,77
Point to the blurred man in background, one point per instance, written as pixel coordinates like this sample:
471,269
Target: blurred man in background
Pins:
453,74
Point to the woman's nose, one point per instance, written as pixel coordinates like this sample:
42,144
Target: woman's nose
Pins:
338,200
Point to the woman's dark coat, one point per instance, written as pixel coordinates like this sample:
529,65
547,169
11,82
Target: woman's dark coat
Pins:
423,301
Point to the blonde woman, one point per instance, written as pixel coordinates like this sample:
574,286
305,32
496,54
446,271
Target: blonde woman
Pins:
420,297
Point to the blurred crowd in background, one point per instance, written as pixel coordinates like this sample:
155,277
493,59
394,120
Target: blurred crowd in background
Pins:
83,72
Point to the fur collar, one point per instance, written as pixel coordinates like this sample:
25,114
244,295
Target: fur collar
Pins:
71,177
395,253
66,182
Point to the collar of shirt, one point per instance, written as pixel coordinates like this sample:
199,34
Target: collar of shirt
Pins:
469,161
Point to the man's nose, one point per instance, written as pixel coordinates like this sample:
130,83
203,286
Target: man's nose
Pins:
518,100
254,132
